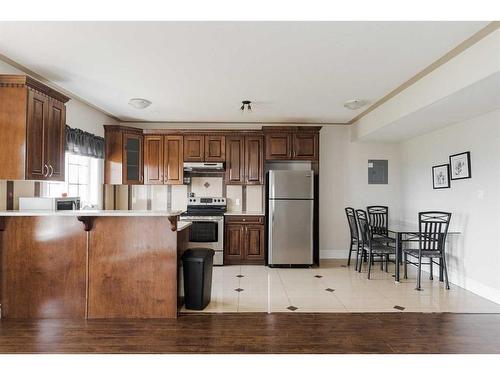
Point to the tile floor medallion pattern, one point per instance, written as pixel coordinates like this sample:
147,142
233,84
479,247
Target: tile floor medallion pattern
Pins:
340,289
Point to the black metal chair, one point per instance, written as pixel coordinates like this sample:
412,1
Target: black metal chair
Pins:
355,240
378,218
374,248
433,229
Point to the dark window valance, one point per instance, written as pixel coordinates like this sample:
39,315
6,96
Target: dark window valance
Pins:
82,143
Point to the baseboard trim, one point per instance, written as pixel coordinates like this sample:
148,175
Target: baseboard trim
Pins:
334,254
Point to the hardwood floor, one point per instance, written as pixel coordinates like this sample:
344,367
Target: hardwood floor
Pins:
259,333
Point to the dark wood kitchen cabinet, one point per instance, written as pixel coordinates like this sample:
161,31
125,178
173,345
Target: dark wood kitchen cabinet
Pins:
123,162
292,143
244,160
208,148
278,146
163,160
194,148
173,161
32,123
244,242
215,148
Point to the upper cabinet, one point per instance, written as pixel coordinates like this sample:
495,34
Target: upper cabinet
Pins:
123,162
292,143
163,159
201,148
32,124
245,160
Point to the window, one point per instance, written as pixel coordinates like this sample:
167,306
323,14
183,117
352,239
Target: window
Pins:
83,178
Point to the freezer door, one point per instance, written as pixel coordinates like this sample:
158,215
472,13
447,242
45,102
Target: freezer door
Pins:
291,184
290,232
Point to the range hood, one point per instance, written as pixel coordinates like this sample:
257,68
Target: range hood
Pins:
203,167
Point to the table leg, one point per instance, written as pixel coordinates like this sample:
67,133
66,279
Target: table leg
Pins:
398,257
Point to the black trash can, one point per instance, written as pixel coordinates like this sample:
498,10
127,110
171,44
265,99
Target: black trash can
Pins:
197,267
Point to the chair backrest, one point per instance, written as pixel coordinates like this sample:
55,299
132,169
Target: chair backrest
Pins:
351,219
378,217
364,227
433,228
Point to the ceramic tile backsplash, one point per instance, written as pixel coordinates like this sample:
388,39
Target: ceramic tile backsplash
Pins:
23,189
179,197
234,197
140,197
206,186
159,197
3,195
121,197
254,198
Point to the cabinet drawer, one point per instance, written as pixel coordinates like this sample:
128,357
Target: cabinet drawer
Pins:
244,219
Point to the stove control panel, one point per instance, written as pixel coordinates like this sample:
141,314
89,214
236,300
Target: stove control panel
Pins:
206,201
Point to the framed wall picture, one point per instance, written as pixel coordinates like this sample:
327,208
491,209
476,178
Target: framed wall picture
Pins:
441,176
460,166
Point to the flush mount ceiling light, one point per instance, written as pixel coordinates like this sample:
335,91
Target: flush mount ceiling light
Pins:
139,103
246,104
354,104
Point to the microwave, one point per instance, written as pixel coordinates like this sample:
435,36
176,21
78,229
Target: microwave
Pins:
49,204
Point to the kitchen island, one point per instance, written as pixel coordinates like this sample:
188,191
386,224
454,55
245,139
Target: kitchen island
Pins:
90,264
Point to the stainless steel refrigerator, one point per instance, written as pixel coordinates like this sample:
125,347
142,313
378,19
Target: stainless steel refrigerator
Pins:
290,217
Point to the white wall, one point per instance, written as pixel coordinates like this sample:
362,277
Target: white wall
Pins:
474,255
344,182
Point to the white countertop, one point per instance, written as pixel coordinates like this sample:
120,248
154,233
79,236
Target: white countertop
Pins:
92,213
181,225
244,213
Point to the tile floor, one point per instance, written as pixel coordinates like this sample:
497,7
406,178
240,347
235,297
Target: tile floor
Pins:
333,288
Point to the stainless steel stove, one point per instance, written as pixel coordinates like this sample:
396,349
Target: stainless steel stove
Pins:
207,230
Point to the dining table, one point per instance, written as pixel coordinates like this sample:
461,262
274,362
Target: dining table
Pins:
407,232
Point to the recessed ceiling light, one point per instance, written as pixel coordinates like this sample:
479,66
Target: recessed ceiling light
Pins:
354,104
139,103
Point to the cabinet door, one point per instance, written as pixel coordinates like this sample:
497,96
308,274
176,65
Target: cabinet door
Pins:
234,244
305,146
254,160
235,160
278,146
194,148
215,148
132,159
153,159
55,140
254,243
36,168
174,171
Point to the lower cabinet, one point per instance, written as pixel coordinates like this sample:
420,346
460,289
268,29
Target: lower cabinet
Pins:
244,240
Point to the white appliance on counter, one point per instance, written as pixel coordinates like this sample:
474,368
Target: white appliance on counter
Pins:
49,204
206,214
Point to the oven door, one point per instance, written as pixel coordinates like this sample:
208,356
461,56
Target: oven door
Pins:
207,232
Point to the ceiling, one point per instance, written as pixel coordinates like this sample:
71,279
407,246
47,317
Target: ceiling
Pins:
201,71
479,98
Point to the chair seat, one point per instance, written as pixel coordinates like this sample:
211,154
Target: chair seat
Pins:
381,248
425,253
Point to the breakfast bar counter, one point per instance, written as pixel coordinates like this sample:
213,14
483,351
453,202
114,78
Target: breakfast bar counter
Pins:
90,264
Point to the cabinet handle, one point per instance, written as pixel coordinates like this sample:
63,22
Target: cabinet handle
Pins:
45,174
51,170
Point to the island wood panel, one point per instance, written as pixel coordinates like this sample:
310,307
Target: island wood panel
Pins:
132,268
13,103
43,267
